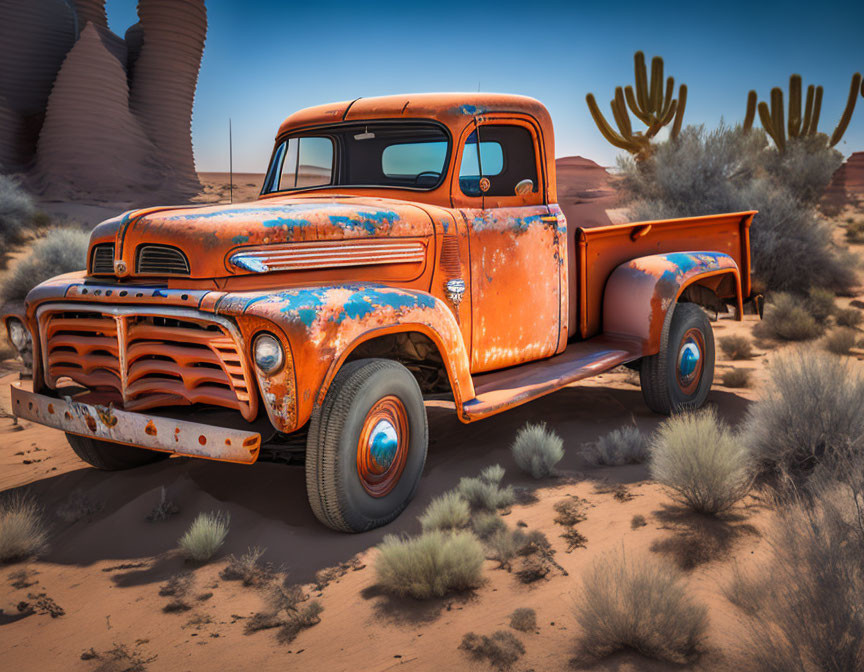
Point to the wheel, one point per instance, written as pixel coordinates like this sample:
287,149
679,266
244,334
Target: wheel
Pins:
680,375
366,446
112,456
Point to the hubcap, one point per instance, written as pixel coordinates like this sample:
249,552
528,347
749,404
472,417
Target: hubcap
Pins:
688,369
382,447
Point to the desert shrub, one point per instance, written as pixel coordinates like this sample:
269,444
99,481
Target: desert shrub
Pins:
62,251
813,408
505,545
805,168
626,445
855,232
430,565
205,536
821,304
537,450
285,610
849,317
638,521
248,568
737,377
571,511
120,658
729,170
840,341
643,606
164,509
699,459
524,619
22,530
501,650
736,347
484,492
787,318
447,512
487,523
177,588
16,210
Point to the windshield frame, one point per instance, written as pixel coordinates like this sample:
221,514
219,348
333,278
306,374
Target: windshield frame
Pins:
321,130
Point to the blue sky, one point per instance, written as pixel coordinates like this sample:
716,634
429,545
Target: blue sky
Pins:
266,58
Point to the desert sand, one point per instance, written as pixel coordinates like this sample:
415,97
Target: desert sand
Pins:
105,569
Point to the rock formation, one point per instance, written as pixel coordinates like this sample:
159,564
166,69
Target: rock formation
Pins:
92,115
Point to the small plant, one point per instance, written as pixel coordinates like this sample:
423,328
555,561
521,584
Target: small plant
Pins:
430,565
120,657
537,450
524,620
164,509
638,521
643,606
855,232
787,318
737,377
22,530
701,461
284,611
487,523
840,341
505,545
78,505
502,649
177,588
248,568
16,211
736,347
626,445
447,512
849,317
571,511
483,492
61,251
821,304
205,536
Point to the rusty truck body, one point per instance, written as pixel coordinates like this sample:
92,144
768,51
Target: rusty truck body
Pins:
402,248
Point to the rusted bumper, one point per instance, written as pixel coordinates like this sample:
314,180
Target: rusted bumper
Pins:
137,429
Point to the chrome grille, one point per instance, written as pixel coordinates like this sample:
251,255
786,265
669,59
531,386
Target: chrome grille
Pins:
102,260
161,260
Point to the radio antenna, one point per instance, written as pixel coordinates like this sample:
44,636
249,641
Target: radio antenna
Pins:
230,162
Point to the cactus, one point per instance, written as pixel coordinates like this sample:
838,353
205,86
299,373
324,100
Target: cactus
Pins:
798,127
648,103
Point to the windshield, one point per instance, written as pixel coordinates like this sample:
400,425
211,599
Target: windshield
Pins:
403,155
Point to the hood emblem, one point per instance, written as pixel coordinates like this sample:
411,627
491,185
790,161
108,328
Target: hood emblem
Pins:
455,290
120,267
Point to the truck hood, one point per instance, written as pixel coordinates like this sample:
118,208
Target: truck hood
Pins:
209,236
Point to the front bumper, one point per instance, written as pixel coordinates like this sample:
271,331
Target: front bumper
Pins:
137,429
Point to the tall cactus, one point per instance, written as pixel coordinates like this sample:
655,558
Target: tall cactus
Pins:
773,119
649,104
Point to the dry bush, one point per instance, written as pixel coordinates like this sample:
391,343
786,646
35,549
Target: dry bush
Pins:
855,232
698,458
430,565
840,341
248,568
787,318
22,530
571,511
642,606
487,523
483,492
821,304
804,611
285,610
737,377
537,450
17,209
205,536
501,650
164,509
736,347
849,317
638,521
78,505
119,658
813,408
524,620
447,512
177,588
626,445
62,251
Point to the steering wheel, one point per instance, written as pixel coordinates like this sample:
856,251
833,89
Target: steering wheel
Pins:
433,173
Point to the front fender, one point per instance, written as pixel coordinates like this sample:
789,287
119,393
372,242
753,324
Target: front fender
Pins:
639,293
323,324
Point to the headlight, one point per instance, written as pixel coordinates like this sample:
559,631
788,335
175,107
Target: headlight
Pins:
268,353
18,334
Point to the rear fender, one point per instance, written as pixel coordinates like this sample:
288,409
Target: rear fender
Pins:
640,293
323,325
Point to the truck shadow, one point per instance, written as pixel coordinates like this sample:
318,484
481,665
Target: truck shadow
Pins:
267,502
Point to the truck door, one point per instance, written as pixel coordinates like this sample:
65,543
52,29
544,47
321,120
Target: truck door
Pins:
514,246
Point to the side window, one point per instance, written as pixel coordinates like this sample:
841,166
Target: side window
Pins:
308,163
504,155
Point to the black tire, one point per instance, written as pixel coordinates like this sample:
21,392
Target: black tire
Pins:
112,456
662,387
336,490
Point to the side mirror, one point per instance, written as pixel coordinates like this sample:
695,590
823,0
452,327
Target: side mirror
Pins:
524,187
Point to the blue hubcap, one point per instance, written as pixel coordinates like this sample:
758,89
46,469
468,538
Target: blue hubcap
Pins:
383,443
688,360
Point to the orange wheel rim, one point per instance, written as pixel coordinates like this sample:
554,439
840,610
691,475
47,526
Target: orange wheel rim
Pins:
382,448
690,361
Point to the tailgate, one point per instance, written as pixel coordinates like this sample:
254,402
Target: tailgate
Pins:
602,249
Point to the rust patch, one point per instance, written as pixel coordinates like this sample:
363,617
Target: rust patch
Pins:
51,409
202,440
68,415
150,428
91,422
106,415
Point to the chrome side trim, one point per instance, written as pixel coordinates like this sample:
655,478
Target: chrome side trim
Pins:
300,256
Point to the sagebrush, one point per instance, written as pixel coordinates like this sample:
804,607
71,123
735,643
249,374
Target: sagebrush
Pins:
841,340
788,318
22,529
537,450
484,492
502,649
205,536
626,445
737,377
61,251
449,511
736,347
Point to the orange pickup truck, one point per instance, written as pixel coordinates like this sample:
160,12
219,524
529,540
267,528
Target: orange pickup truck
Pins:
402,248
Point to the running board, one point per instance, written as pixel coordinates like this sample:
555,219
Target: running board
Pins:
497,391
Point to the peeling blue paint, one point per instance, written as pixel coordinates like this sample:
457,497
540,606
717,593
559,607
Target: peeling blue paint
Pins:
370,222
290,222
239,240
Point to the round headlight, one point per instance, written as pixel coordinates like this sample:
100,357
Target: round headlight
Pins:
18,334
268,353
